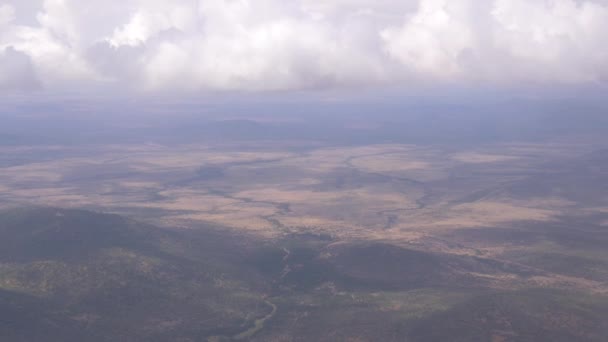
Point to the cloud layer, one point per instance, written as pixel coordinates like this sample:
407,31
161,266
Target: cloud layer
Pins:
195,45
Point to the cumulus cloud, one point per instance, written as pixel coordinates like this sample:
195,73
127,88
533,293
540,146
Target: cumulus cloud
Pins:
275,44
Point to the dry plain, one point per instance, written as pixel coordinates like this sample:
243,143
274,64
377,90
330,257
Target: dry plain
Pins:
456,229
404,194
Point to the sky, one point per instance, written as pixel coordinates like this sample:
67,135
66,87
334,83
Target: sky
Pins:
208,46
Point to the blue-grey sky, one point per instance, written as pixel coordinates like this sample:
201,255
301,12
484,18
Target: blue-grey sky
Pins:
152,46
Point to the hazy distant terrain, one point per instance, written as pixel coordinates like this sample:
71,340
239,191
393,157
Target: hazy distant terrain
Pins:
255,230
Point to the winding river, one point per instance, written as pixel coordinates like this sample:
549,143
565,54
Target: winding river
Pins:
258,324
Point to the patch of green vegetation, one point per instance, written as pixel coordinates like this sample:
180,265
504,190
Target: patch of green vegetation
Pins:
530,315
114,279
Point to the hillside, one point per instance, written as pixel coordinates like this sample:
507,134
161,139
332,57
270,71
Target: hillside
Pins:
75,275
72,275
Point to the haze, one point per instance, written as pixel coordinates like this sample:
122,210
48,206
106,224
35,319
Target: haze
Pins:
309,170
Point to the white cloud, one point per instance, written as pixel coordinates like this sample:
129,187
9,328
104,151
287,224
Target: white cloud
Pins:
275,44
7,14
554,39
432,40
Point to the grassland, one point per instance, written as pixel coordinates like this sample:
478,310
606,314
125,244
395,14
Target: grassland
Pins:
350,243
